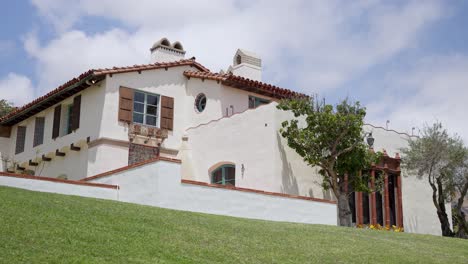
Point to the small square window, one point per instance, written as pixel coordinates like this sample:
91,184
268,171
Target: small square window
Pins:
151,110
139,97
152,100
139,107
151,120
138,118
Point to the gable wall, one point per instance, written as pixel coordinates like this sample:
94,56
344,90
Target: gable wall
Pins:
74,163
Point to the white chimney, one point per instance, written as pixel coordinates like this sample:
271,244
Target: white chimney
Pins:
163,51
247,64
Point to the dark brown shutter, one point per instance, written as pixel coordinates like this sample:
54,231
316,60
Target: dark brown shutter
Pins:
56,126
167,112
5,131
125,104
75,115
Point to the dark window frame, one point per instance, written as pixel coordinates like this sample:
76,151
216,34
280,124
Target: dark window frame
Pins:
255,102
200,102
20,139
39,129
226,179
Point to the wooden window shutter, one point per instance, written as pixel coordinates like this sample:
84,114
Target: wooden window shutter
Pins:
125,104
167,112
75,114
20,139
56,126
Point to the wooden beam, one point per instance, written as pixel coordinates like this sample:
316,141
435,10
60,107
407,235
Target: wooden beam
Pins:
373,202
400,203
386,200
60,154
31,163
74,148
45,158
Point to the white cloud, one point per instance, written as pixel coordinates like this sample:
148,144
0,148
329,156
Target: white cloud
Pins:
433,89
17,89
308,45
74,52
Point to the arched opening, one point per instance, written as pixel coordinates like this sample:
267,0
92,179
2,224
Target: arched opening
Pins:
224,174
165,42
238,59
178,46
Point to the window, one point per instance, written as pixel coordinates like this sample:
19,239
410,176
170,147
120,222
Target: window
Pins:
39,131
225,175
238,59
145,108
67,119
20,139
255,102
200,102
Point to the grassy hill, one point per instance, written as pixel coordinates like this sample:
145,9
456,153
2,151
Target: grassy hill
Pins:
51,228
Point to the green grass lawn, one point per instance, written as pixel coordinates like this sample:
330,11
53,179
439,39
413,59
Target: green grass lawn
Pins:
50,228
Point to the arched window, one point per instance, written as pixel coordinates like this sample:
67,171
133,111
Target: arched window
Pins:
178,46
225,175
165,42
238,59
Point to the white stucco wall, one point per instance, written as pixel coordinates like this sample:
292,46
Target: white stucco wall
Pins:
159,184
219,99
4,151
104,158
251,140
419,213
74,164
168,83
58,187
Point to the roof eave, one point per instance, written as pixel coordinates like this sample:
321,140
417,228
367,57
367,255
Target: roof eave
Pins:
49,101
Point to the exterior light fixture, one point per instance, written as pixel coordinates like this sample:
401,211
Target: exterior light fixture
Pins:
370,140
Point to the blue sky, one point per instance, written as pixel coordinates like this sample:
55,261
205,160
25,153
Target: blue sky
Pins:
407,61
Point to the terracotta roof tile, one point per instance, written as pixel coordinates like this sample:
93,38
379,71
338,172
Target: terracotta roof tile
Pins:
246,84
95,73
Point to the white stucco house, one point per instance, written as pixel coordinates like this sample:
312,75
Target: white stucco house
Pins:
172,133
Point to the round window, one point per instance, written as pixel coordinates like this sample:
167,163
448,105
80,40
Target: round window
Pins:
200,102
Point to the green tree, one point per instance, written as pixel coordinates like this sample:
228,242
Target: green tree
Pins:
5,107
441,159
331,138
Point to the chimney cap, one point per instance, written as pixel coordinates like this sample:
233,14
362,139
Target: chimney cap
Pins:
166,44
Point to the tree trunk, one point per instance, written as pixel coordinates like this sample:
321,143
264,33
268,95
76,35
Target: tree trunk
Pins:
441,211
462,224
444,224
459,216
344,213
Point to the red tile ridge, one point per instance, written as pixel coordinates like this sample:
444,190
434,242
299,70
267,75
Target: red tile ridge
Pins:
30,177
257,191
107,173
229,79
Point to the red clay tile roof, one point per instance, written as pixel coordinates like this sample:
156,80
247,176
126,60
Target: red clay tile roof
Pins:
246,84
77,84
80,83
